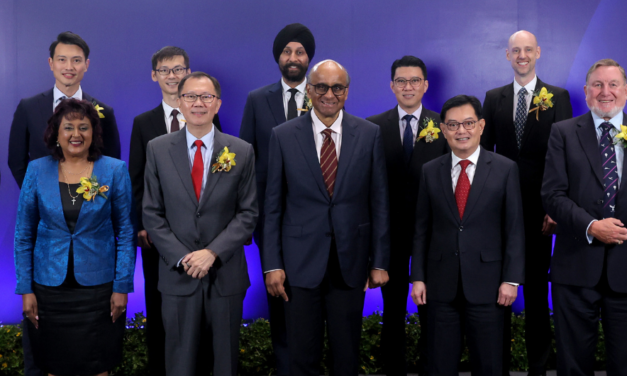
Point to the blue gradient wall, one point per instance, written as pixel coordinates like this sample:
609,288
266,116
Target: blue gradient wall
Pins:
462,42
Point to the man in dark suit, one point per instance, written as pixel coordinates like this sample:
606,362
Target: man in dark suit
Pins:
200,206
583,190
522,136
267,107
405,153
326,233
469,240
169,65
69,60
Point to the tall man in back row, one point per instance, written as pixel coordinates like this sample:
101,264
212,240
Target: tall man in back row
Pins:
522,136
267,107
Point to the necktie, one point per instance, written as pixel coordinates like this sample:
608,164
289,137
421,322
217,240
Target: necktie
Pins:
291,105
408,138
328,161
610,173
197,169
462,189
59,100
521,116
175,121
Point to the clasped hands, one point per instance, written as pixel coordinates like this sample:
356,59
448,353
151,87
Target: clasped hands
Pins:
608,231
198,263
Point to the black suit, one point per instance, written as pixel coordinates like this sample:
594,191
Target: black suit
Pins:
148,126
403,184
463,262
26,142
586,278
499,132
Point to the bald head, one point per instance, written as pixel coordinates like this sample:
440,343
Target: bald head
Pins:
522,52
329,66
527,36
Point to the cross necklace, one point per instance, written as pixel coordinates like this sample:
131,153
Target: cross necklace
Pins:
68,184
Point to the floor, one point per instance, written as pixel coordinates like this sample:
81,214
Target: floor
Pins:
549,373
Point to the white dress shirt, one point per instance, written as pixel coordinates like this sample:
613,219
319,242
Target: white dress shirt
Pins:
167,112
300,95
336,135
456,169
413,122
57,95
530,88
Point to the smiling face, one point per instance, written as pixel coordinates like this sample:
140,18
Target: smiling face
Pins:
294,63
329,105
522,52
463,142
199,114
68,67
409,97
75,136
169,84
606,92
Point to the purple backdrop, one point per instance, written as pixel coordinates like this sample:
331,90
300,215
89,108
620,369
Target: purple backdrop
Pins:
463,44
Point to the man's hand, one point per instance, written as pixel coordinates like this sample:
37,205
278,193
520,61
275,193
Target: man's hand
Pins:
29,307
609,231
118,305
275,284
419,293
507,294
143,239
548,226
198,263
249,241
376,279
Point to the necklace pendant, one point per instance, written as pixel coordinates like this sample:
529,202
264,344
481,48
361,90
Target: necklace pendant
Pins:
73,200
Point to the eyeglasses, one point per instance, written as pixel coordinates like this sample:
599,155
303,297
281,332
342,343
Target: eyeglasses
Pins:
176,70
401,82
468,125
205,98
322,89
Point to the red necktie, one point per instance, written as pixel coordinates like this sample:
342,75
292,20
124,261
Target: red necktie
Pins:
462,189
197,169
175,121
328,161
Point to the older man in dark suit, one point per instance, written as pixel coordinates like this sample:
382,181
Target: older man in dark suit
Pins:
583,190
468,254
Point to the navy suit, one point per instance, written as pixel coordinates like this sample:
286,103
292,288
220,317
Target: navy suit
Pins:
26,142
464,261
586,278
326,245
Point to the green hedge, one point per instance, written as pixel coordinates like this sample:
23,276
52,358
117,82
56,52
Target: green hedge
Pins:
255,356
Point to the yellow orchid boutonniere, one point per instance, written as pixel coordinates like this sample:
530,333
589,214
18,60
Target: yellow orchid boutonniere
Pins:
98,109
542,100
621,138
225,161
90,188
306,104
429,131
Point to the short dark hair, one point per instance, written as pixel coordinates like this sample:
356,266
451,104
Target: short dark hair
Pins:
74,109
69,37
461,100
198,75
409,61
167,53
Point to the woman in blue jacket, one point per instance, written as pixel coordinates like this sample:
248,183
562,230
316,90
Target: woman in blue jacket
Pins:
75,247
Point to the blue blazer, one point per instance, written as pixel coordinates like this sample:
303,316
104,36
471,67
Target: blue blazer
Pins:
301,218
42,238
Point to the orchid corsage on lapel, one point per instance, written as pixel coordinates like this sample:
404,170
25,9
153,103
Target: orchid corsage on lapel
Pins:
542,100
224,161
429,130
621,138
306,104
98,109
90,188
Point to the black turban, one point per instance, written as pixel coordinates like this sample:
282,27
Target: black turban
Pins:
294,33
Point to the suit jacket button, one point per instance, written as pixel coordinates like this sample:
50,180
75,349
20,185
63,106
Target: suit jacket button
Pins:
600,202
197,215
461,228
328,234
456,253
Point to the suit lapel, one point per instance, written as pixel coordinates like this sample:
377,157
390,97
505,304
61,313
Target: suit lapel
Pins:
506,113
305,138
482,172
158,119
45,107
623,176
89,206
52,196
588,138
447,185
418,145
350,138
390,133
180,157
219,142
275,101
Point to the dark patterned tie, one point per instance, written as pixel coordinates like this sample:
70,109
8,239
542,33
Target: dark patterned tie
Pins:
408,138
291,105
610,171
462,189
175,121
328,161
521,116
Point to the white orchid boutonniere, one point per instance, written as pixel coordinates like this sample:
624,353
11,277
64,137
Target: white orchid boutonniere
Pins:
225,161
307,105
98,109
90,188
542,100
621,138
429,131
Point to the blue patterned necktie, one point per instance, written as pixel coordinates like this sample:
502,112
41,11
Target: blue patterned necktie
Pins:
521,116
610,172
408,138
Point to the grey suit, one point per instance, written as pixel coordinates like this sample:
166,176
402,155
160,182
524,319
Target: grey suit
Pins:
178,224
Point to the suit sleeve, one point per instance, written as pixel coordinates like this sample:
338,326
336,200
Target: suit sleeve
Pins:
513,230
26,232
379,208
18,144
272,252
247,128
121,214
241,226
555,187
422,231
110,135
488,138
563,108
136,167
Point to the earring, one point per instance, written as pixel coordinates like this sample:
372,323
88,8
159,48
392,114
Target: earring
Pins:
58,143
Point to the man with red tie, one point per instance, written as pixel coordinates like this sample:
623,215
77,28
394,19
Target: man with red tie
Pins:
468,255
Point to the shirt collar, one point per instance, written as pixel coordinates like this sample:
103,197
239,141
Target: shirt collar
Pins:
319,125
300,87
616,121
206,139
168,109
57,94
531,86
474,157
402,113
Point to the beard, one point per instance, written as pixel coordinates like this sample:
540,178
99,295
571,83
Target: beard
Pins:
606,114
297,76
